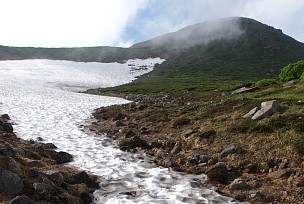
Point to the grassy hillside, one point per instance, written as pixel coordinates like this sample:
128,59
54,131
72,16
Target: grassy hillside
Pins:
260,51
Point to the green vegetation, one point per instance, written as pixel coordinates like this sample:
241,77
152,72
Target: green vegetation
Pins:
292,71
266,82
219,65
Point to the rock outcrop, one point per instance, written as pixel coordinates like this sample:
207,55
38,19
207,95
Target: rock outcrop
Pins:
32,173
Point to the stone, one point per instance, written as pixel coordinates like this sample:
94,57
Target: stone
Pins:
176,149
39,139
289,83
194,159
250,113
83,177
243,90
188,132
10,183
154,144
86,198
8,127
129,134
7,150
204,159
134,142
41,187
13,165
267,109
22,200
55,176
218,173
283,173
207,134
119,123
62,157
5,117
231,149
237,184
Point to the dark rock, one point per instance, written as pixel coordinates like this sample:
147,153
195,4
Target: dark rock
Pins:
231,149
129,193
5,117
204,159
237,184
141,107
55,177
193,160
45,146
83,177
129,134
8,127
62,157
13,166
39,139
218,173
188,132
134,142
10,183
207,134
7,150
119,123
119,116
86,198
154,144
22,200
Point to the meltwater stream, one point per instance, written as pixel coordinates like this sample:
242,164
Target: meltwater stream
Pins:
41,98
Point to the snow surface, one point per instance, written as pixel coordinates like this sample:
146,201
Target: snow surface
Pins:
41,97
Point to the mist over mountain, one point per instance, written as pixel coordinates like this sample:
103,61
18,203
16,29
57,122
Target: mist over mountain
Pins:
233,48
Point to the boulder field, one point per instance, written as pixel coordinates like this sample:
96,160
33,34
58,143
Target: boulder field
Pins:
33,172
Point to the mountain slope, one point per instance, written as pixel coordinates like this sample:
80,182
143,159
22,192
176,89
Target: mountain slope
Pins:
234,50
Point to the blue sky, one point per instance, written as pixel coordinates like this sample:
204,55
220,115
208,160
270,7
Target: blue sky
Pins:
78,23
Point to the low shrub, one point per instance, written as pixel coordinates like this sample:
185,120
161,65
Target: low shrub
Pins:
266,82
292,71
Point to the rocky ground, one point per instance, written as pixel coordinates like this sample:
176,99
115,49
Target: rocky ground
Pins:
201,135
33,172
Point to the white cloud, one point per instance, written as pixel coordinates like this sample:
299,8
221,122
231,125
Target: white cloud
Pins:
282,14
68,23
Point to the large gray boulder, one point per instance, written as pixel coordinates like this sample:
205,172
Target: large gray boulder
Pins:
251,113
10,183
267,109
243,90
